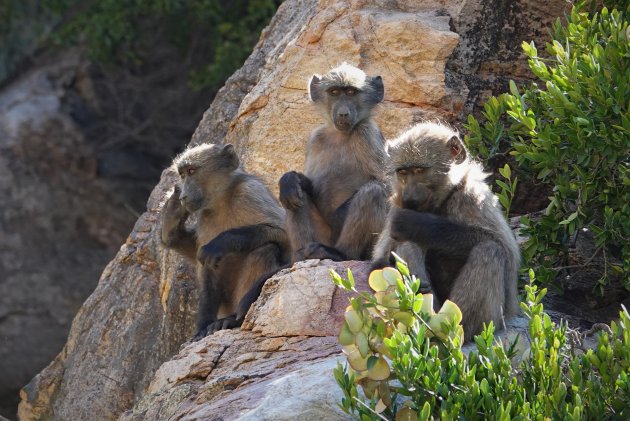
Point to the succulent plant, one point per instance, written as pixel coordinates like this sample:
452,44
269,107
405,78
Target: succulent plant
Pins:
408,361
371,319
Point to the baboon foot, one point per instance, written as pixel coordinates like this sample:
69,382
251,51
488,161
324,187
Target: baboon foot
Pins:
229,322
320,251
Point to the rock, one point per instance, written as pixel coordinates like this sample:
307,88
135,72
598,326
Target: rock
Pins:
275,117
277,368
437,57
316,307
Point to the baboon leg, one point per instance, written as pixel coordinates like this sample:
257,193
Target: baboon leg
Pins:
478,289
365,219
209,301
382,253
304,226
260,265
240,240
241,272
254,292
415,258
320,251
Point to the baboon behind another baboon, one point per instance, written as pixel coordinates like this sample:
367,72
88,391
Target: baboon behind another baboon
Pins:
446,222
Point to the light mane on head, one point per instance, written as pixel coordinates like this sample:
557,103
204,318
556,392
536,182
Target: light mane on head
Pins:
345,75
412,148
199,154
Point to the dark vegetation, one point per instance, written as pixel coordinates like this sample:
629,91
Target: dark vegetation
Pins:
568,134
155,66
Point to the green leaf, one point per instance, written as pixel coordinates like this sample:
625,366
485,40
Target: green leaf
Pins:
506,171
502,185
569,218
505,202
350,279
513,89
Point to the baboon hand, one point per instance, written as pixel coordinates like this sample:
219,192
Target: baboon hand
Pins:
291,193
173,209
407,224
379,264
320,251
211,254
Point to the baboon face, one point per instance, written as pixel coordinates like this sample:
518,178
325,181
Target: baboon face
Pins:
205,171
346,95
422,170
414,187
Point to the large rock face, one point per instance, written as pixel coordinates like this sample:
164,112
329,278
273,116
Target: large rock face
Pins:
58,224
437,58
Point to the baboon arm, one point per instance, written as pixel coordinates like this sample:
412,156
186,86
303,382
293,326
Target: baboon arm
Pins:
434,232
176,236
174,233
243,240
382,254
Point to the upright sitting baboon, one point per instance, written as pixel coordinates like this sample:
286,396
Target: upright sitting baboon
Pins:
337,207
446,223
238,237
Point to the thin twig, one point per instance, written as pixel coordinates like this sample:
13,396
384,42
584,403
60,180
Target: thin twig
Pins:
590,259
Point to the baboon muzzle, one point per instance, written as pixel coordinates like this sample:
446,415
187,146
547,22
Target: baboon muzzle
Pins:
343,118
416,198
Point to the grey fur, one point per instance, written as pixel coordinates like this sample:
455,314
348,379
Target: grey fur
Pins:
456,213
337,207
239,235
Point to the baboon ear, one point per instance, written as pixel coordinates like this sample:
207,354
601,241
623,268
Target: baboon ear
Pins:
314,89
457,149
378,90
231,158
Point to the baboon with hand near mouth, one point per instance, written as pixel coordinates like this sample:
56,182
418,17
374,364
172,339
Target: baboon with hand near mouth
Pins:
239,236
446,223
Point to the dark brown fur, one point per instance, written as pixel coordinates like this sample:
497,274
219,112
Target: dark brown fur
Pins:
238,237
447,224
337,207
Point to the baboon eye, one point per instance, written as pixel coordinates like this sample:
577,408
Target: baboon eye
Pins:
351,91
419,170
334,92
190,171
402,173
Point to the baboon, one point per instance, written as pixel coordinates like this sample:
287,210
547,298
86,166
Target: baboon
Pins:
337,207
445,221
238,237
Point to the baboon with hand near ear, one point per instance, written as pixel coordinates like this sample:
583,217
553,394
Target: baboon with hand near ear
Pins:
239,234
445,221
337,207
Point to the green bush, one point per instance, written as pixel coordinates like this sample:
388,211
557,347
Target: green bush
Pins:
409,363
571,130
